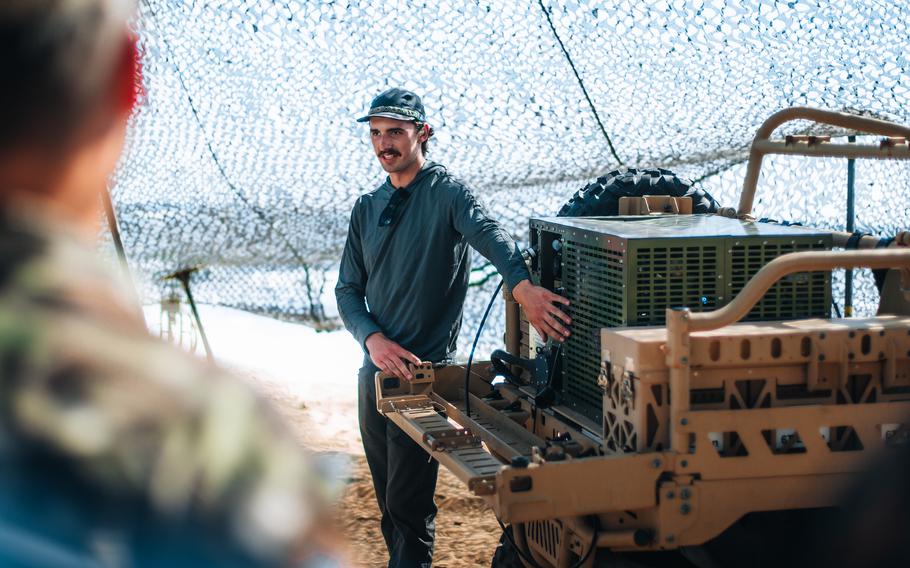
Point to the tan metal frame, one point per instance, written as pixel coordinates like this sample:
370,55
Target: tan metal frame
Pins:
677,496
681,322
692,482
685,497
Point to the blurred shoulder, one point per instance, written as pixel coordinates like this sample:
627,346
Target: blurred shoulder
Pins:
84,381
45,271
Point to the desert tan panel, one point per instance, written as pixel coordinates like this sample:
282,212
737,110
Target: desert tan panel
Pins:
693,513
755,365
655,205
556,489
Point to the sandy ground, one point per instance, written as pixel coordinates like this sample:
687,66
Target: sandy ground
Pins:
311,378
466,530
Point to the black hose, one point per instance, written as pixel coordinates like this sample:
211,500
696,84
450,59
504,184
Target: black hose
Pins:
508,535
552,370
591,548
467,374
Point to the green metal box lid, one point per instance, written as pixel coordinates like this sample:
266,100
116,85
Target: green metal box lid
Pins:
676,226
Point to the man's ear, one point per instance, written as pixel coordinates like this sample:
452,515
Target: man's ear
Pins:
424,133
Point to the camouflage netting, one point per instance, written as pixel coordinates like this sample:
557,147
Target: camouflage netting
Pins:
245,159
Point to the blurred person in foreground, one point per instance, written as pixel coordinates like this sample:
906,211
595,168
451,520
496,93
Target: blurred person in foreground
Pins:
115,449
401,289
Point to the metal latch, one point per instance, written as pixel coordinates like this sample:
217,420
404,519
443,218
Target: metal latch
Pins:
807,139
483,485
654,204
452,439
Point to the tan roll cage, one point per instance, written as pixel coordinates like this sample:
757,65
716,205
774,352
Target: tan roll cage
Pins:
787,264
704,421
818,146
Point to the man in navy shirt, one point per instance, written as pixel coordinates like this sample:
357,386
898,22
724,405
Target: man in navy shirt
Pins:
401,287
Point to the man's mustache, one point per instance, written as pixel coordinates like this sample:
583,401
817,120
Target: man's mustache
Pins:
389,153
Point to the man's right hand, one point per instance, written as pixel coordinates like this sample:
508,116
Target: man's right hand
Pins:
390,357
542,313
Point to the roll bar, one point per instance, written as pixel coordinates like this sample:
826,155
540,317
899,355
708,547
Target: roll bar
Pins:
809,261
894,147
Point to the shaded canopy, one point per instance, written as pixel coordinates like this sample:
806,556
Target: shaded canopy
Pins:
245,158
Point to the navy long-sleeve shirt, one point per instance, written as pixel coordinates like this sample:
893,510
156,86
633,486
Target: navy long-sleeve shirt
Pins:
408,280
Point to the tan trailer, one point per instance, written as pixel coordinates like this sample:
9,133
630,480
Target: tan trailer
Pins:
663,436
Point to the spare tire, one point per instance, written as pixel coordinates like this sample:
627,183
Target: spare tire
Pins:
601,197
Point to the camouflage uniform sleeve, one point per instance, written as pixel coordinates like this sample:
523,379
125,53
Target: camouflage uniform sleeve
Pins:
138,416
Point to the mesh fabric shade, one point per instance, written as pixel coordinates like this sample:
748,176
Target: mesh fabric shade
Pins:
245,159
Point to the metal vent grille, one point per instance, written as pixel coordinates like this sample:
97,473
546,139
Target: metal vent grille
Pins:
593,280
674,276
545,538
797,296
628,272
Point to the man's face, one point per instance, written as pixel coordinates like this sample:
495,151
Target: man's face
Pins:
396,143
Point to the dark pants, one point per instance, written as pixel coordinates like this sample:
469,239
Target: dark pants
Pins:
404,478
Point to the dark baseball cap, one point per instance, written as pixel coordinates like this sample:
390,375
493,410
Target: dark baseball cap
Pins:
398,104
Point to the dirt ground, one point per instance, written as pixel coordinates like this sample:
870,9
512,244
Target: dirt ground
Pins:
466,530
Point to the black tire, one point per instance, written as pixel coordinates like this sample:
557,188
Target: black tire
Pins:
601,197
505,555
783,539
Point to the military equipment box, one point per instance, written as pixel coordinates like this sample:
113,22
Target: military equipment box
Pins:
626,271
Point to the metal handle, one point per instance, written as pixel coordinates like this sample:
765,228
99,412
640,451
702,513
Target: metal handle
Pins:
789,264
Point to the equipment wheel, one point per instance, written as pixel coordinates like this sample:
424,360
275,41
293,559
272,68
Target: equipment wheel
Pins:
601,197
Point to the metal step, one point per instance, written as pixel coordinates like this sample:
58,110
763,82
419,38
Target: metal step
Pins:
470,462
474,448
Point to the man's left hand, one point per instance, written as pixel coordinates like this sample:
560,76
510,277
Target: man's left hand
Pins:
538,304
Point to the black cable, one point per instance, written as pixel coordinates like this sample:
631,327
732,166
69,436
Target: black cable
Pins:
508,535
467,374
529,253
580,83
552,369
587,555
484,280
